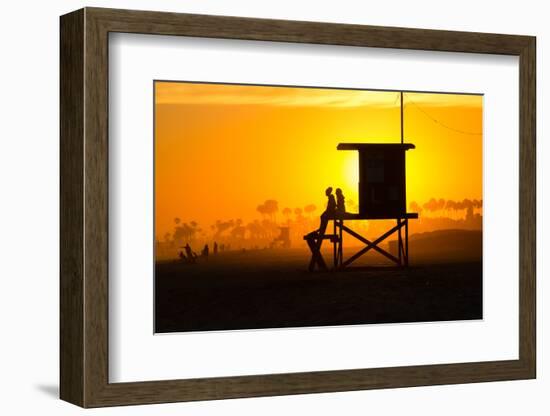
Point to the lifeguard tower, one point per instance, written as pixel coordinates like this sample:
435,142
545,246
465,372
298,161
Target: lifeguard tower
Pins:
283,239
382,196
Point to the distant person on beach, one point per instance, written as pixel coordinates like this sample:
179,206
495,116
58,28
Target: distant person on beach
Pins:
205,251
215,248
182,256
340,203
191,255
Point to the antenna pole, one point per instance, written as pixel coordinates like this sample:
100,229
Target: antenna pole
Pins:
402,126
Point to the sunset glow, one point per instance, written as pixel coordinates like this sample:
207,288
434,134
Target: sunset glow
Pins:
221,150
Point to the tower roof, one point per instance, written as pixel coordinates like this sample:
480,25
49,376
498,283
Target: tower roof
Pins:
375,146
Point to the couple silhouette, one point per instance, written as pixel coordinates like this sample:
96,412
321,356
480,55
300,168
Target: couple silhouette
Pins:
336,208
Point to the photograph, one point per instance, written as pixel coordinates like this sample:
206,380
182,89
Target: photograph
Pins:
276,204
280,206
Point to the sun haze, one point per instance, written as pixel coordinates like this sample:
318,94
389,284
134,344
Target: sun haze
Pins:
222,150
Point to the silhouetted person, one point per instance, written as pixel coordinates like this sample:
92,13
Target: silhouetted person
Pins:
182,256
315,238
215,248
340,203
328,213
205,251
191,255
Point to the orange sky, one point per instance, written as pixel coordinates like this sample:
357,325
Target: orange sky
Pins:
221,150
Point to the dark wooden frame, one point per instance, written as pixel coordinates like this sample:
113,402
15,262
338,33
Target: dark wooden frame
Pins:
84,207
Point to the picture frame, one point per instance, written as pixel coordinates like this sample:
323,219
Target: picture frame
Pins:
84,216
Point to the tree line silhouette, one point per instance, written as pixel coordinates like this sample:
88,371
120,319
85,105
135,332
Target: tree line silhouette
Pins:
236,234
449,207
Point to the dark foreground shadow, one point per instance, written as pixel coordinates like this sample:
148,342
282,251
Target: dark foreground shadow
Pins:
267,290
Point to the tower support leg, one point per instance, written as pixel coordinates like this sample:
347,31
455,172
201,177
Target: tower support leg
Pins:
406,242
340,244
399,243
335,245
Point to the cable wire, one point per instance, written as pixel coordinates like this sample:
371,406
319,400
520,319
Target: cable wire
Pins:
439,122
